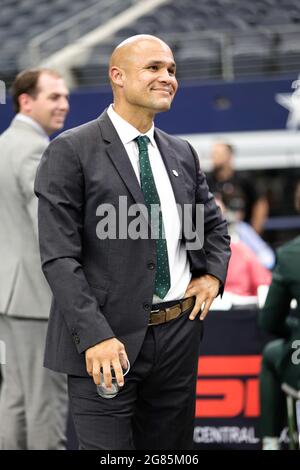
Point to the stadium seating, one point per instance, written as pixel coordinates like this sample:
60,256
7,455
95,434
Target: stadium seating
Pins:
211,38
251,39
23,20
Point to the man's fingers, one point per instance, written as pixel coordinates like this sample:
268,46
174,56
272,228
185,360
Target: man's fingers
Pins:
118,372
104,362
107,378
96,372
196,309
123,360
89,366
206,308
203,305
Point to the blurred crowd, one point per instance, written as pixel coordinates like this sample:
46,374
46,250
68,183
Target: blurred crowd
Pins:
254,269
246,210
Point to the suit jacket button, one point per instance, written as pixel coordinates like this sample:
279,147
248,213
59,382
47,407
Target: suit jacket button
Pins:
146,306
77,339
151,265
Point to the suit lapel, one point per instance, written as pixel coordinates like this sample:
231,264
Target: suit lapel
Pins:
120,159
173,168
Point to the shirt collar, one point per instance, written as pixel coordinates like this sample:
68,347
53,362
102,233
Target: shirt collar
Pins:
126,131
32,123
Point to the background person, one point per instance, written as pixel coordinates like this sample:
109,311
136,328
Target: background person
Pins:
277,364
245,272
33,400
237,192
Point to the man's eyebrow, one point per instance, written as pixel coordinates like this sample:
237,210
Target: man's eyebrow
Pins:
67,95
161,62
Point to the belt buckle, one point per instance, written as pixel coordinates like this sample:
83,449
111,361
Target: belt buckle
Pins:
161,314
155,311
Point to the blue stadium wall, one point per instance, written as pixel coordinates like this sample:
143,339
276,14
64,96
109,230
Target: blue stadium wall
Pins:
213,107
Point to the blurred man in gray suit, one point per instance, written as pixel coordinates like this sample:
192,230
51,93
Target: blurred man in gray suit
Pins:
33,400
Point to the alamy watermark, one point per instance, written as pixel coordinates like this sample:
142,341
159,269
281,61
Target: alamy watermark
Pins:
137,221
2,353
2,92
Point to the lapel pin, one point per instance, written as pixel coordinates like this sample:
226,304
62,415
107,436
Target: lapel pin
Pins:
175,173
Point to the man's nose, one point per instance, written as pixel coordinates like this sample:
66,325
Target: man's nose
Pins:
165,76
64,104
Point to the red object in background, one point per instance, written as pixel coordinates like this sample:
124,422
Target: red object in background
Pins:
245,273
231,387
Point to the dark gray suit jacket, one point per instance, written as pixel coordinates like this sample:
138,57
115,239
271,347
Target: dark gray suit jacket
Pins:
104,288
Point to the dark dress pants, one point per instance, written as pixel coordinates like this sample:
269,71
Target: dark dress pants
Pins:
156,407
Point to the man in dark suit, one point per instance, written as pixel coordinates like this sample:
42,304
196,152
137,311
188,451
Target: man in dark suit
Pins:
120,296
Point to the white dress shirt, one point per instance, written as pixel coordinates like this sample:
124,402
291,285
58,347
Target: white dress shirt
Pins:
178,260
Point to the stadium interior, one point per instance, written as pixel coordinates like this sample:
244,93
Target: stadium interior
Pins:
238,66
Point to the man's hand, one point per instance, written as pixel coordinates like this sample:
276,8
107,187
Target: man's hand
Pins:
205,289
107,354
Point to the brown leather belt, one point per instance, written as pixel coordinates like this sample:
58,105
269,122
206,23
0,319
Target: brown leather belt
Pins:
170,313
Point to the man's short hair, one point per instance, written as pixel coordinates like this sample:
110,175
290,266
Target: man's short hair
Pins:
27,82
229,147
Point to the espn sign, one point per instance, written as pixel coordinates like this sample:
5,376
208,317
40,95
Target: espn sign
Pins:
228,386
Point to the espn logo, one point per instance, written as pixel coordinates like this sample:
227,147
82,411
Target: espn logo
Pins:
231,387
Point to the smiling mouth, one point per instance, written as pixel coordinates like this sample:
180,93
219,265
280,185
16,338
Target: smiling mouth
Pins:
162,90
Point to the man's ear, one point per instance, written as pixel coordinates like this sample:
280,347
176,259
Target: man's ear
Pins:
25,102
117,75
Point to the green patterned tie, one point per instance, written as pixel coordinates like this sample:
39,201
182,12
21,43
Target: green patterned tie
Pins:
162,278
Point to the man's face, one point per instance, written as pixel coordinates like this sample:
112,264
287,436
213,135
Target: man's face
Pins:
148,80
50,106
221,156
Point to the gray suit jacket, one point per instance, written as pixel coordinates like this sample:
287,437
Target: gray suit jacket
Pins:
23,290
104,288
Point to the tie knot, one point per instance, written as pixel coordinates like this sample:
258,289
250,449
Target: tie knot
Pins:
142,141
